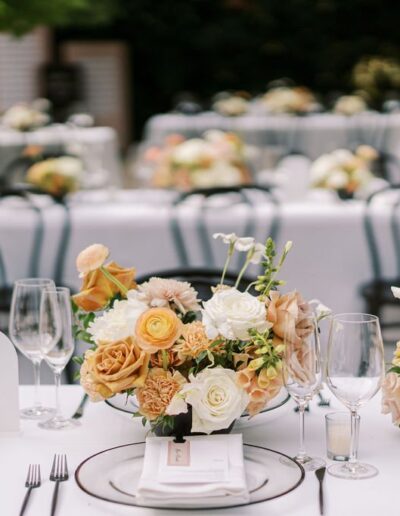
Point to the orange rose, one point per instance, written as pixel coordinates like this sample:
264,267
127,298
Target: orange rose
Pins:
158,328
157,392
97,289
113,368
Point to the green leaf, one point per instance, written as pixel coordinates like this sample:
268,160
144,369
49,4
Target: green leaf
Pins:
78,360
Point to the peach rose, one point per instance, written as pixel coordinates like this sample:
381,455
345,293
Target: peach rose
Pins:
91,258
391,397
158,328
157,392
97,290
113,368
290,315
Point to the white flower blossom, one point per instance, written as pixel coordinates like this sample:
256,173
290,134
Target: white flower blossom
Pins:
215,397
227,238
396,292
232,314
119,322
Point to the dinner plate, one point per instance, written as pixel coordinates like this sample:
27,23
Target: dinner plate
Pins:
112,475
275,409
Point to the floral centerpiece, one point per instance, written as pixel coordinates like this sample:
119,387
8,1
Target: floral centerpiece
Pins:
206,362
56,176
228,104
343,171
216,159
391,383
26,117
349,105
289,100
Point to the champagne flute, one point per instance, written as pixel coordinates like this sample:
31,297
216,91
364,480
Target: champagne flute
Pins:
302,377
57,344
24,332
355,369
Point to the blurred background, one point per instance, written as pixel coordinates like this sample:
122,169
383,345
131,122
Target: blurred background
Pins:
148,126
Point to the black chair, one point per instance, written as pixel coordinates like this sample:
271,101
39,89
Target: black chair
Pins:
202,279
377,293
243,192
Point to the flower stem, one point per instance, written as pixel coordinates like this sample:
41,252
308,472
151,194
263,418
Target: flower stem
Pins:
227,261
246,264
164,355
114,280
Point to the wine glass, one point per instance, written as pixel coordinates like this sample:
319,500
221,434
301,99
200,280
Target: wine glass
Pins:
57,344
355,368
24,332
302,377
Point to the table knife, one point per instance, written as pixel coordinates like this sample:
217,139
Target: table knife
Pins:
320,474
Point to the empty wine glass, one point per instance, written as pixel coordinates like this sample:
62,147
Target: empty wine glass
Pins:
25,333
57,344
302,377
355,368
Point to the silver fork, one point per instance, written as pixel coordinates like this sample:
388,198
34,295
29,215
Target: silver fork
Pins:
59,473
32,480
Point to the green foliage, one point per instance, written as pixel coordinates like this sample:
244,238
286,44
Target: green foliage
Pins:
166,423
394,369
21,16
267,282
189,317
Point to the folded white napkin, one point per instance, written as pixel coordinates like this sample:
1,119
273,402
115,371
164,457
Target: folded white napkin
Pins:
233,487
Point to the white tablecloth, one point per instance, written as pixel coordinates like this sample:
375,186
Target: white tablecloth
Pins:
329,259
103,428
312,135
98,146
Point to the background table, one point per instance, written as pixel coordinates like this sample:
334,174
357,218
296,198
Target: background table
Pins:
329,259
97,146
103,428
311,135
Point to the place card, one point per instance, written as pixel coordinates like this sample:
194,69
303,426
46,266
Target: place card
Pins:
9,400
197,460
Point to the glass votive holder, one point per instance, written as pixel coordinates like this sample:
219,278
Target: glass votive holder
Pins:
338,435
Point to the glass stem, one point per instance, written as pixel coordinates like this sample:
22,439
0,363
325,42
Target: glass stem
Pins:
36,381
302,450
354,440
57,381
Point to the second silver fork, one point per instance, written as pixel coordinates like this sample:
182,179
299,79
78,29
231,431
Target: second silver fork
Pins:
59,473
32,480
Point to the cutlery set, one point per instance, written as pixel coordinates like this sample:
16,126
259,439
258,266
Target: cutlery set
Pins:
59,473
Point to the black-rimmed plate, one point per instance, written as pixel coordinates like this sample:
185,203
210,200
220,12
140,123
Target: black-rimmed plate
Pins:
275,409
112,475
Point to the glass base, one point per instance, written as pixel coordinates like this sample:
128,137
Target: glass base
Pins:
310,463
357,471
35,413
59,423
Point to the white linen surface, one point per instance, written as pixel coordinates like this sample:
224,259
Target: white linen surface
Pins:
152,492
103,428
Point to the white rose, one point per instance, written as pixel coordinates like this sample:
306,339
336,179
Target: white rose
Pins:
337,179
192,151
119,322
231,313
216,399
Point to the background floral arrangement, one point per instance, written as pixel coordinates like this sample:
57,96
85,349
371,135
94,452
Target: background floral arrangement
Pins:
216,159
349,105
56,176
230,104
177,354
296,100
26,117
342,170
391,383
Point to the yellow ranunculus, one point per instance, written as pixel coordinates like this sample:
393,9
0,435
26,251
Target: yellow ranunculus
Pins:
113,368
97,289
158,328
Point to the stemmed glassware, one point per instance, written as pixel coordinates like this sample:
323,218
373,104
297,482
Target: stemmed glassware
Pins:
57,344
25,333
302,377
355,369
